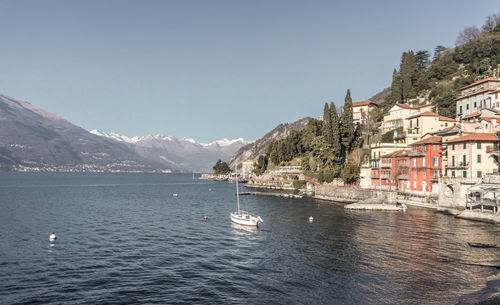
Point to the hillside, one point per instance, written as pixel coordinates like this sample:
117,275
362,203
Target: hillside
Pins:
33,139
259,147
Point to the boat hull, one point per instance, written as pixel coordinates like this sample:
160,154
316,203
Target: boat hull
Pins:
245,219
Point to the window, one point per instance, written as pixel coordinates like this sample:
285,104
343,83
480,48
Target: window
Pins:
478,158
390,161
460,110
424,174
475,104
452,146
479,174
467,107
464,159
414,161
453,161
436,147
411,121
465,145
435,161
453,173
415,148
424,147
436,174
464,174
414,174
479,144
417,122
423,161
414,184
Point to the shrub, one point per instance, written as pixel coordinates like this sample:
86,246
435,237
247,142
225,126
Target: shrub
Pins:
298,184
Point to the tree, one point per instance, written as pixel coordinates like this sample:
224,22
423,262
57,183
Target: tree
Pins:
261,165
221,168
468,34
492,21
327,125
422,60
350,173
438,51
347,126
336,145
408,70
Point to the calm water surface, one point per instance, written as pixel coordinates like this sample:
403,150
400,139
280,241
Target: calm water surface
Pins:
123,238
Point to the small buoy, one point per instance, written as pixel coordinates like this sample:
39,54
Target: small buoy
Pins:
311,219
205,217
52,236
175,194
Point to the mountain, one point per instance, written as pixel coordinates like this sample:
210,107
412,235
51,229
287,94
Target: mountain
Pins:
32,139
259,147
185,154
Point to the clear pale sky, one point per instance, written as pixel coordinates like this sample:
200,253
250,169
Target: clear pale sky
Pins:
212,69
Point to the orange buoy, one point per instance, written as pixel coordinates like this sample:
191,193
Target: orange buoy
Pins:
205,217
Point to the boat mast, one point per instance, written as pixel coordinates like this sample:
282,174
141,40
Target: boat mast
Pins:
237,191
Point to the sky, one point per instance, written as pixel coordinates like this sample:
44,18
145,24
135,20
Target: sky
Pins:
212,69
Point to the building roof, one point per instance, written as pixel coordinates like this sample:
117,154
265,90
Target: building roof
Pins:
474,93
429,140
489,79
447,119
363,103
472,115
476,137
445,130
397,153
430,113
411,106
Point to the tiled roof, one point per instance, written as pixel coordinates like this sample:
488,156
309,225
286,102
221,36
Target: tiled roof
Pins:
410,106
429,140
474,93
472,115
363,103
447,119
487,137
395,154
489,79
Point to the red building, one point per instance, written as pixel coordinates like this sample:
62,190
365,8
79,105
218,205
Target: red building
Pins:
393,170
425,165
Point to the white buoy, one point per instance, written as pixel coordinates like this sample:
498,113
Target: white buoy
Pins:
175,194
52,236
311,219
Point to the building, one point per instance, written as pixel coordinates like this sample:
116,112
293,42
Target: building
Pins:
247,166
397,115
479,95
378,150
361,111
471,155
421,123
392,172
425,165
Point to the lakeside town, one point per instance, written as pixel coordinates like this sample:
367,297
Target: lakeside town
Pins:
433,161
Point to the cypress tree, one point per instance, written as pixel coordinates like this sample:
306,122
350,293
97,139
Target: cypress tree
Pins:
336,145
327,125
396,89
347,126
408,70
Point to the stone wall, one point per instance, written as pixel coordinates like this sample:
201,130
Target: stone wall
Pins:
453,190
346,194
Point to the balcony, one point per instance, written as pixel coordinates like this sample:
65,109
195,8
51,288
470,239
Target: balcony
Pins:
434,178
386,165
385,177
404,177
461,165
418,153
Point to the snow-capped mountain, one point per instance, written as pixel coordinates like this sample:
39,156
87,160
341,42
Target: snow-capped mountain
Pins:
183,154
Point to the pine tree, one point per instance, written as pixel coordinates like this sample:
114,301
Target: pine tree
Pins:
347,126
396,89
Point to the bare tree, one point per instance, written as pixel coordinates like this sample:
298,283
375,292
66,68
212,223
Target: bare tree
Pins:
468,34
492,21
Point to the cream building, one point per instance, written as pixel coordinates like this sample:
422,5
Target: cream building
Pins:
471,155
421,123
479,95
361,110
397,115
247,166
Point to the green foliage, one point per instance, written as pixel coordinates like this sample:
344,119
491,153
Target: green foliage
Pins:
221,168
347,127
388,136
261,165
298,184
326,175
350,173
443,96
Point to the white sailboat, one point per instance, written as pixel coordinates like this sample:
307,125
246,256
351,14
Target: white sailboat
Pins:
242,217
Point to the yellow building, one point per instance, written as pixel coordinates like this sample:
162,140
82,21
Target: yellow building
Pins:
247,166
397,115
421,123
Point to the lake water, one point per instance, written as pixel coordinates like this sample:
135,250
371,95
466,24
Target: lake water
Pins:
123,238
